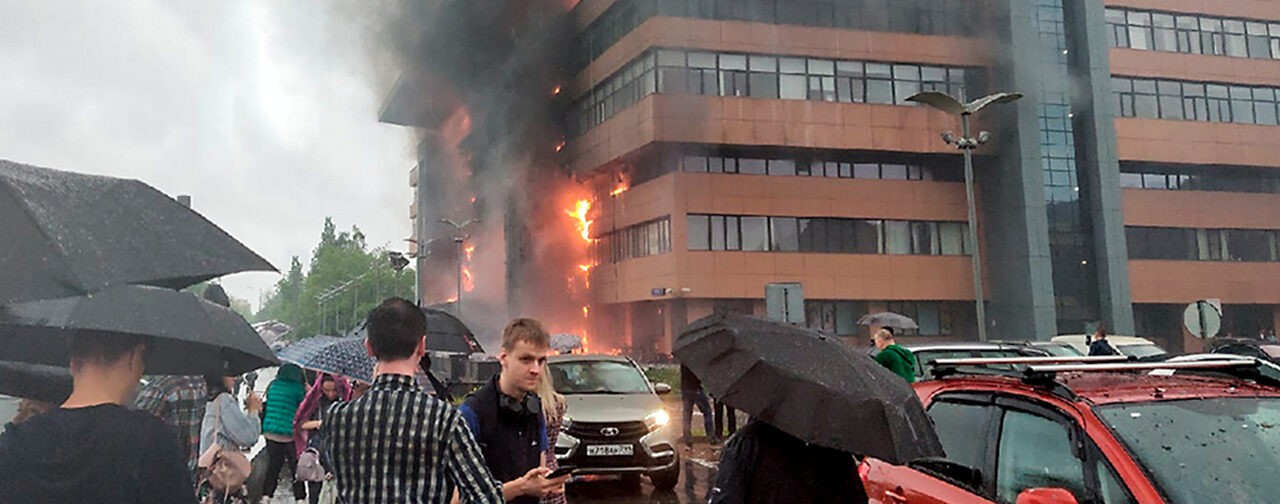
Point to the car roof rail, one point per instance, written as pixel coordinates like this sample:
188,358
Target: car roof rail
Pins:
1030,360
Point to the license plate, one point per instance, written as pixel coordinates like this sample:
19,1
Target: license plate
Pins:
612,450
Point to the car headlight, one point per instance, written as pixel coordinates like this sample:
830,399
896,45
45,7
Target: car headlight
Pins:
657,419
566,423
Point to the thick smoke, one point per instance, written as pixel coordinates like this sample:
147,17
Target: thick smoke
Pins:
483,73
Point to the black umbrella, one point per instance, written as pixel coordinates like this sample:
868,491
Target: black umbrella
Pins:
190,335
51,384
445,333
69,234
808,385
888,319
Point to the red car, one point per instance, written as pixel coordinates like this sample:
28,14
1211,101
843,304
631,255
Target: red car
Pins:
1095,433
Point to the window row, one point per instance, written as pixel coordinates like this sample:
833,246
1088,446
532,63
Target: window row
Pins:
934,318
1196,101
826,235
1221,179
761,76
932,17
1193,34
640,240
810,168
1180,244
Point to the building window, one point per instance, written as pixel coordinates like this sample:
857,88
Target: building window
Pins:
826,235
677,71
813,168
640,240
1195,101
1181,244
1192,34
1172,177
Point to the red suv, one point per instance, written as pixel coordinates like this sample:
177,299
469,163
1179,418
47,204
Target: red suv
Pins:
1097,433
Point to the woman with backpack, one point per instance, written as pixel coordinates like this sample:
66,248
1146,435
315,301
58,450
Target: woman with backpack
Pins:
308,437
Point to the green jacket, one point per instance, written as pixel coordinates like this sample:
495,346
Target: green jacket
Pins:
899,360
283,397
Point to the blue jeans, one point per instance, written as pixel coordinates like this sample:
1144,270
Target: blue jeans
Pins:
699,399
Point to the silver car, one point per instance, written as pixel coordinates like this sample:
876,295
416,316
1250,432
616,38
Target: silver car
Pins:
616,423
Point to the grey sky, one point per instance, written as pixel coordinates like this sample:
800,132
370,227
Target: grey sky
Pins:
264,111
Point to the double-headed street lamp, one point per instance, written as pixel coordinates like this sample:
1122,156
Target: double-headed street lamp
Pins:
458,238
966,143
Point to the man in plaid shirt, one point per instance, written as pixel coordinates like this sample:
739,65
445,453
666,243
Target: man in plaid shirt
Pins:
396,444
180,402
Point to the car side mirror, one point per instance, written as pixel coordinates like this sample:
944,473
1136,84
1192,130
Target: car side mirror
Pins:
662,388
1046,496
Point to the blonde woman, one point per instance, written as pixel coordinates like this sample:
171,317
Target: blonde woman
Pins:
553,407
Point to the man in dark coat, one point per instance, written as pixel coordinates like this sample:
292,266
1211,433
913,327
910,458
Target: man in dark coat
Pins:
1099,345
762,464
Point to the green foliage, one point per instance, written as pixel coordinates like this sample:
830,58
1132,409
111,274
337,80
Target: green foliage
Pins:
344,280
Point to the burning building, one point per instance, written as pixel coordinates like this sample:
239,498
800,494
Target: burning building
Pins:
642,163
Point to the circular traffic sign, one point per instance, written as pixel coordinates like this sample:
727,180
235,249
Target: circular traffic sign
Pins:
1202,319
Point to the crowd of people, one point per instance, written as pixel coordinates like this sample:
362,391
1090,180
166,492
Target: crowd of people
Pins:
186,438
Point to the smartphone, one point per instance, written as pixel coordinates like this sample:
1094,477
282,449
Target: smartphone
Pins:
562,471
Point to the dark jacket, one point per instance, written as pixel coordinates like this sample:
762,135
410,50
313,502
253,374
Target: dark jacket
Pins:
899,360
1101,347
689,382
762,464
512,441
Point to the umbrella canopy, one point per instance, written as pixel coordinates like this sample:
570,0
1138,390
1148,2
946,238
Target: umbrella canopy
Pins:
51,384
808,385
445,333
190,335
331,354
272,331
69,234
888,319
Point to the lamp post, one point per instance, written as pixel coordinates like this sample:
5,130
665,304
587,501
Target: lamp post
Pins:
458,238
966,143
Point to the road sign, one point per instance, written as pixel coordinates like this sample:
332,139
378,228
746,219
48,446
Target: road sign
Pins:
1203,319
784,302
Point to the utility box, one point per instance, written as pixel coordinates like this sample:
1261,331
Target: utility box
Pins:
784,302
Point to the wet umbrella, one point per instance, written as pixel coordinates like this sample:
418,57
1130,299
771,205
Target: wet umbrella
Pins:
189,335
888,319
808,385
51,384
69,234
445,333
330,354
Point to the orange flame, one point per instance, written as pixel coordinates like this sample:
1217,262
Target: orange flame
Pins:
560,146
555,91
468,250
580,212
622,185
468,283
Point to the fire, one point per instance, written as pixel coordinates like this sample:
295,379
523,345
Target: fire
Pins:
555,91
560,146
580,211
470,249
621,187
468,283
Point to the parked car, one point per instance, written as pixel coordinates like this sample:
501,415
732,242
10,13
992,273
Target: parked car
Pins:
1053,348
616,423
927,353
1095,433
1262,349
1132,346
8,410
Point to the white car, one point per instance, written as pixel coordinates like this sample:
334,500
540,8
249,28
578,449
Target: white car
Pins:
1131,346
1266,367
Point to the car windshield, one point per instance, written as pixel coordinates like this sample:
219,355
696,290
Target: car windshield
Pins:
598,377
1272,351
1140,350
1204,450
1060,350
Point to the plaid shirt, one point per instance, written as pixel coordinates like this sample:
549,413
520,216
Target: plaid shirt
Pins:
396,444
180,402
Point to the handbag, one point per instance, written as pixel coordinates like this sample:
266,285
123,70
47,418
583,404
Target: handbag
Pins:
309,468
225,470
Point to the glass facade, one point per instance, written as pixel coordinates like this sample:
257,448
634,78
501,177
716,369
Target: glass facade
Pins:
1195,101
1181,244
639,240
1175,177
930,17
1070,229
817,168
935,318
1193,34
761,76
825,235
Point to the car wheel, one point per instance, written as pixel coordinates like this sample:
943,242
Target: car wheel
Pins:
666,479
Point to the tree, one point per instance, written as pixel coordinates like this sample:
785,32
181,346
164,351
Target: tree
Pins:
344,280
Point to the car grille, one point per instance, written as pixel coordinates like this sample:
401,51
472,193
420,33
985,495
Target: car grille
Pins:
589,432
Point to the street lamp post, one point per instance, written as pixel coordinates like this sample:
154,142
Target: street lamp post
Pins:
458,238
966,143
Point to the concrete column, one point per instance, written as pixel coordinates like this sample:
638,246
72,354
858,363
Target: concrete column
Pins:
1097,163
1012,181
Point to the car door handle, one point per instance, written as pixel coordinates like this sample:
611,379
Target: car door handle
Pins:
895,496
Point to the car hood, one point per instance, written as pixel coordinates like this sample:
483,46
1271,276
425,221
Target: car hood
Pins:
611,408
